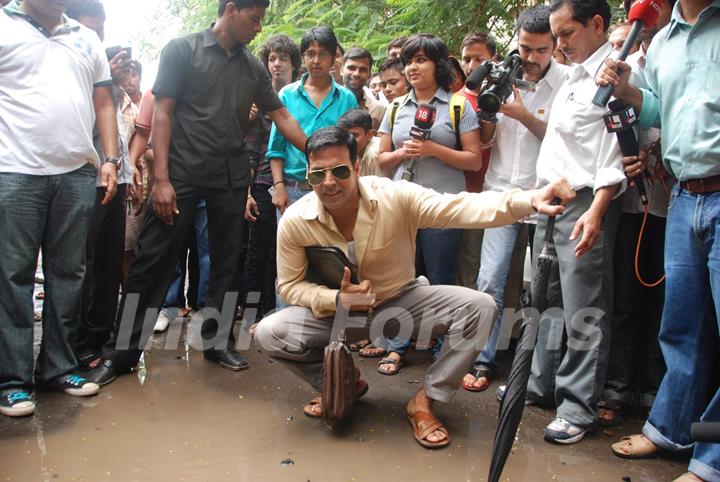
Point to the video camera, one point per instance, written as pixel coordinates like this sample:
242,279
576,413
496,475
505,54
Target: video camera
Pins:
499,80
111,52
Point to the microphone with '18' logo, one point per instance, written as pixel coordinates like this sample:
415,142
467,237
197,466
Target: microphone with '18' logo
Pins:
424,120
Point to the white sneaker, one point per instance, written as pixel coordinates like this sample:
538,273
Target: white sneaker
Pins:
166,316
561,431
74,385
16,403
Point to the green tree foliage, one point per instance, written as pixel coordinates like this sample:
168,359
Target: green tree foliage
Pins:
372,23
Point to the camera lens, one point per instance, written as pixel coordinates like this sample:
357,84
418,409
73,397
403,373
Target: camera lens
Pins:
489,102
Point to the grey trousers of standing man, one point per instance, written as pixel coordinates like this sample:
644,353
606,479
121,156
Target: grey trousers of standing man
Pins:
298,339
573,344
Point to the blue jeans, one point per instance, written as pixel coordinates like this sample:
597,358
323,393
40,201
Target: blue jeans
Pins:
436,257
201,236
497,250
688,330
52,213
294,194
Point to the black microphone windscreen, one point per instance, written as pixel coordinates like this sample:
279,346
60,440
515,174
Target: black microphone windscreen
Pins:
476,76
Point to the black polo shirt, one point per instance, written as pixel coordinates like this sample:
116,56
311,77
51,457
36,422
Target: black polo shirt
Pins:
213,94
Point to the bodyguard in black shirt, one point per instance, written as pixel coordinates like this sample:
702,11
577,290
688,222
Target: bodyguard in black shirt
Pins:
205,86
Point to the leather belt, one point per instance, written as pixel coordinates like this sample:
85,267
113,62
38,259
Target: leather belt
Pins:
702,186
302,185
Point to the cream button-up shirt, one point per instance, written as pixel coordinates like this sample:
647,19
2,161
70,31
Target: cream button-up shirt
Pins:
390,213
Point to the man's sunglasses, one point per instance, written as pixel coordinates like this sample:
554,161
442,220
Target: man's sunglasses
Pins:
317,176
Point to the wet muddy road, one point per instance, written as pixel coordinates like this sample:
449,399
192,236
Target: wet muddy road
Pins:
183,419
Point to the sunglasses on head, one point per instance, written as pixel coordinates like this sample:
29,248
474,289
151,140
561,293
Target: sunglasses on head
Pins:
317,176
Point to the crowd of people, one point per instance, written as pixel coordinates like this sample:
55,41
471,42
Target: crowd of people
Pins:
220,177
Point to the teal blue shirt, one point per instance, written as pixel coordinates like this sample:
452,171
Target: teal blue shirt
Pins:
311,118
682,93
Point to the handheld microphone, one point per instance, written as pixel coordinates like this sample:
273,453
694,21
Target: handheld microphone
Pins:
620,120
643,13
424,120
476,77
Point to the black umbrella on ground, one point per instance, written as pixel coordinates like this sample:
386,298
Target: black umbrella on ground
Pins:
513,401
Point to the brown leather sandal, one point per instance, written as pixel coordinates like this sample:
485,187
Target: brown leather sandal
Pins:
611,412
372,351
636,446
358,345
425,423
362,389
687,477
397,365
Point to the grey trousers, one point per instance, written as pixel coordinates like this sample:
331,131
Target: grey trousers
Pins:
464,316
571,354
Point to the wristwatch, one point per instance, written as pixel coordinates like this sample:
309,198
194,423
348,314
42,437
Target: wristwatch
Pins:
113,160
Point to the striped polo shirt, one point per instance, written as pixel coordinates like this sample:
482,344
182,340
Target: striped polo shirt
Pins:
46,94
431,172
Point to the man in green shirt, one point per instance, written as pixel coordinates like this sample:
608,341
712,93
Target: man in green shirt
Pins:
682,81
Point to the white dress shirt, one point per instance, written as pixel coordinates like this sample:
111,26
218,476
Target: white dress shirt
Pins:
577,146
516,149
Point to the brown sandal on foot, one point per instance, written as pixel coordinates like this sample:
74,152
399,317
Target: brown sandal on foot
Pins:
687,477
396,363
478,373
610,412
359,345
425,423
372,351
308,409
635,447
362,389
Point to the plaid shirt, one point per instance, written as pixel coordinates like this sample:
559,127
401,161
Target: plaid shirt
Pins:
256,138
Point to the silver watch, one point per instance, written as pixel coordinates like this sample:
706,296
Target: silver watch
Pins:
113,160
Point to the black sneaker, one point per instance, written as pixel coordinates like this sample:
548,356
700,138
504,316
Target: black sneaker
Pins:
16,403
74,385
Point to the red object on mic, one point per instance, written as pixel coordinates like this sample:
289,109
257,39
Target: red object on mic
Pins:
425,116
645,11
643,14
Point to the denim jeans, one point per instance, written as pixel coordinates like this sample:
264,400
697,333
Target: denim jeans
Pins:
201,236
497,251
53,213
436,258
689,331
294,194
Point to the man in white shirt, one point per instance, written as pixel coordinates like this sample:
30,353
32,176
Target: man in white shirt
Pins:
518,133
54,84
577,146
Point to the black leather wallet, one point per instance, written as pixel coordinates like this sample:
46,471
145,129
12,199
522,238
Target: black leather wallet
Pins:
326,265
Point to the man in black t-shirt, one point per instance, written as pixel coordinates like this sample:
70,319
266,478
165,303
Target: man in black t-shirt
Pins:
205,87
